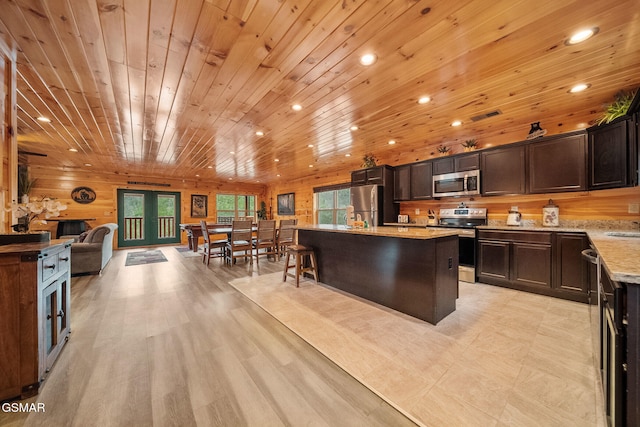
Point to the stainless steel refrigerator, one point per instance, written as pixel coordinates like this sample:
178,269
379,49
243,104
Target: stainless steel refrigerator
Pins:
367,201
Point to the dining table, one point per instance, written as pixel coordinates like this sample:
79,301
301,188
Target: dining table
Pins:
194,232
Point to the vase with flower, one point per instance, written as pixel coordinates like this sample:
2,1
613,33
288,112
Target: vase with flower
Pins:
30,213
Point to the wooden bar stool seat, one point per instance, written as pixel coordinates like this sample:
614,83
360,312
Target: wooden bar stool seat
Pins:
301,254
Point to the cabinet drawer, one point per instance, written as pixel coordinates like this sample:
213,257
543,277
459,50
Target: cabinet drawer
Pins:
516,236
48,266
64,260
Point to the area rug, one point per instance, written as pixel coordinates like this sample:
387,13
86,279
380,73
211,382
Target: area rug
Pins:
186,252
145,257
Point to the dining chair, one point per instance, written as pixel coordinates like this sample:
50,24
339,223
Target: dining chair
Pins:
286,235
265,239
239,245
212,248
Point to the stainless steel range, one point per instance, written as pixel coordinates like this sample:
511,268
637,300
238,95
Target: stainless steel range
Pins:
465,220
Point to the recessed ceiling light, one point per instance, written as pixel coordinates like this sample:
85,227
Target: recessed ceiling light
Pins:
392,142
260,133
456,123
579,88
424,99
276,160
44,119
348,155
368,59
581,36
88,165
278,175
197,175
230,179
310,145
310,166
209,167
73,150
296,107
354,127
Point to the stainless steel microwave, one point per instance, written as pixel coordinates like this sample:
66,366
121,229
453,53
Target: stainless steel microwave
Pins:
457,184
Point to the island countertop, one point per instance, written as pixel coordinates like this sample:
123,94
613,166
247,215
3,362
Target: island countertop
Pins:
384,231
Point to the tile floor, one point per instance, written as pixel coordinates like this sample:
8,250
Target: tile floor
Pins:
503,358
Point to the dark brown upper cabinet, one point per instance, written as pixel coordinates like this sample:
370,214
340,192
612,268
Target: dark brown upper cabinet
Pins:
503,171
421,180
378,175
458,163
401,183
612,154
558,164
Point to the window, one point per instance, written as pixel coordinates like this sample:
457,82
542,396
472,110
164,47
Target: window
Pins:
233,206
332,206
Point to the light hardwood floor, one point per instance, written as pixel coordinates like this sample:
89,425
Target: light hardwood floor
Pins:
177,343
173,344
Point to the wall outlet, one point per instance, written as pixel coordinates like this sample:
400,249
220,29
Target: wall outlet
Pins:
634,208
417,211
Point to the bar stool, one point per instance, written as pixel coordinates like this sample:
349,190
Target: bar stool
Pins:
300,252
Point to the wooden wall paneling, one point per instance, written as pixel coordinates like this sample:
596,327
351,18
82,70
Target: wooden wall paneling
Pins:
8,140
58,183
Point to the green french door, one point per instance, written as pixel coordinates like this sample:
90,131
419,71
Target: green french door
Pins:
148,218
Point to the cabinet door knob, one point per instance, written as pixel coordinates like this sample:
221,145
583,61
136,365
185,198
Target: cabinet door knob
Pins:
52,266
64,259
61,313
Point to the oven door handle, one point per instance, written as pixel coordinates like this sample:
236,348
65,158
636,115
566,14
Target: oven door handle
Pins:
590,255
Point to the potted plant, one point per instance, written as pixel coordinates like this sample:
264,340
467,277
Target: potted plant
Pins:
443,150
617,108
470,144
24,183
369,160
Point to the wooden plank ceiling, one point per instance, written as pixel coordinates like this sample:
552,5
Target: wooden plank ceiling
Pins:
179,88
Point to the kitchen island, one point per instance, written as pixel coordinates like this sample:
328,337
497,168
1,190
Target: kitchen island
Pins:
411,270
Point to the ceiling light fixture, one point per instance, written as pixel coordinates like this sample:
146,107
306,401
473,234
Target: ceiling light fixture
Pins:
424,99
579,88
392,142
368,59
310,146
209,167
353,128
278,175
296,107
276,160
73,150
44,119
232,152
348,155
260,133
581,36
310,166
456,123
88,165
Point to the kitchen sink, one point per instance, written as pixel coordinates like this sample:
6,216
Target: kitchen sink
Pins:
623,233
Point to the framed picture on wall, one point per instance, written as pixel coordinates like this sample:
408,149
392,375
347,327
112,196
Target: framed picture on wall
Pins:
199,205
286,204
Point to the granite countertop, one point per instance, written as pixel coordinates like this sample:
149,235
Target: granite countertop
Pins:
35,247
421,233
620,255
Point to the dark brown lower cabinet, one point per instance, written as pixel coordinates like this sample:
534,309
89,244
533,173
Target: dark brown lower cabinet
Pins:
516,259
543,262
571,273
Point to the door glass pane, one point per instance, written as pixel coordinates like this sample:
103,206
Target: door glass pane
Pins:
133,216
242,203
226,208
166,216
